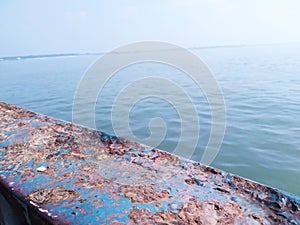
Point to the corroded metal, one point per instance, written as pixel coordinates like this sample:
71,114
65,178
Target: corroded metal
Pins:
55,172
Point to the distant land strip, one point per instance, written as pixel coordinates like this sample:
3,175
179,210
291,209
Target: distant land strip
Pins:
12,58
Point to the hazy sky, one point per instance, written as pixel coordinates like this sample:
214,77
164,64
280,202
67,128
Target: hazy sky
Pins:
57,26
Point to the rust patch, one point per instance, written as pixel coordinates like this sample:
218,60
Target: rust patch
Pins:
143,193
89,181
118,146
195,213
51,195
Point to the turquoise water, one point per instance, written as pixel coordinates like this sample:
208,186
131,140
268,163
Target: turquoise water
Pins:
261,88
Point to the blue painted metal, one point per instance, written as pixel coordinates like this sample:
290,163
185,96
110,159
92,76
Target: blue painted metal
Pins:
54,172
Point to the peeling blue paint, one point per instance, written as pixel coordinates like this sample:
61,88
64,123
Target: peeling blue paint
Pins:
90,177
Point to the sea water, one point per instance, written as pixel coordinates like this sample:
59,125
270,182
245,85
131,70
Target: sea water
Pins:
260,86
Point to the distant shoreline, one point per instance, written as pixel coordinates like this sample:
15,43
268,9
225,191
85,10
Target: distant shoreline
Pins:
36,56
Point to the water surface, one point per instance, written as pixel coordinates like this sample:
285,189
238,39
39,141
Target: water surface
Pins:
261,87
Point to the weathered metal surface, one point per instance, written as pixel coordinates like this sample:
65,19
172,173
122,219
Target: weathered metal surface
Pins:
56,172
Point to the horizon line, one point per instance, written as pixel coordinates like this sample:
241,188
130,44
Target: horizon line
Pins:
46,55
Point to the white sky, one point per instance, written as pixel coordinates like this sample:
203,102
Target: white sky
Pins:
56,26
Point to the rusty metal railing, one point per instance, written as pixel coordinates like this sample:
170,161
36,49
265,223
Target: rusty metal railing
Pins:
54,172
